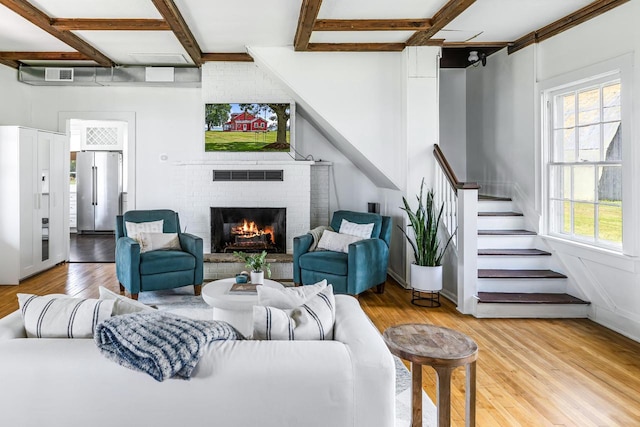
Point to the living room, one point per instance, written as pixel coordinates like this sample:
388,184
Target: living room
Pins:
369,116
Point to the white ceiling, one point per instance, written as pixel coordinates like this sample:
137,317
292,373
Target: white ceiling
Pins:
221,27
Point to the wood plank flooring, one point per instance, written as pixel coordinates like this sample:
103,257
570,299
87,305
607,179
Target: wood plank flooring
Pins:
531,372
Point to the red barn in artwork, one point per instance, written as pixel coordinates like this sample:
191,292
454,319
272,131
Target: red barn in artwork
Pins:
245,122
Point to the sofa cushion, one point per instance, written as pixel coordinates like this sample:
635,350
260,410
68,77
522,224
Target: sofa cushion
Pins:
122,305
313,320
326,262
337,242
155,262
65,317
287,298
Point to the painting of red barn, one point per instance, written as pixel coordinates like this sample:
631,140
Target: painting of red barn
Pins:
248,127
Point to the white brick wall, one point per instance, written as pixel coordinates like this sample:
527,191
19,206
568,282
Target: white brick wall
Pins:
319,214
195,192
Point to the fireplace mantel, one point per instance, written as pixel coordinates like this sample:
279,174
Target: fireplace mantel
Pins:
248,162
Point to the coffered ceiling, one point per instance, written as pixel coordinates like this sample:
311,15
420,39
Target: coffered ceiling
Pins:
190,32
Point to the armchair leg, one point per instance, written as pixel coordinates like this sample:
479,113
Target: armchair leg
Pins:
380,288
197,289
134,296
121,289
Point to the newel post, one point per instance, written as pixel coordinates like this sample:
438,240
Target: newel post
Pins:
467,250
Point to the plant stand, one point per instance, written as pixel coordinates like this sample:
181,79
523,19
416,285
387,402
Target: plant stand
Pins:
430,299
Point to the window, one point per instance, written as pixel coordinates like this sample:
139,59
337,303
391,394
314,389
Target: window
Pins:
584,167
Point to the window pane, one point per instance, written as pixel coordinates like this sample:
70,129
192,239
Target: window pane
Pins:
589,106
564,143
612,138
589,143
610,223
565,114
610,184
560,182
560,216
611,102
583,219
584,187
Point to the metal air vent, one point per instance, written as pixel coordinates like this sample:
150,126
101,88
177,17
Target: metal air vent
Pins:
248,175
58,74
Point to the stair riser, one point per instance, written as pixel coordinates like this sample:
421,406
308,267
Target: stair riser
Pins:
507,242
551,286
516,262
494,206
501,223
532,311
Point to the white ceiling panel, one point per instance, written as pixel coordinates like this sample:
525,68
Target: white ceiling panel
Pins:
508,20
379,9
360,36
98,8
17,34
120,46
229,27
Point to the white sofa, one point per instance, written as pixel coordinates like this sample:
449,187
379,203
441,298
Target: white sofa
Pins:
349,381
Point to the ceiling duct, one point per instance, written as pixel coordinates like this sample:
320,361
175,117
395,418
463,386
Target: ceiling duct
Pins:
98,76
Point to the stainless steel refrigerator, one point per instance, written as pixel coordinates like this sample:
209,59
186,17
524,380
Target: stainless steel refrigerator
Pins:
99,190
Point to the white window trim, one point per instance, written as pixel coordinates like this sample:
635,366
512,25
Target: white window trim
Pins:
623,66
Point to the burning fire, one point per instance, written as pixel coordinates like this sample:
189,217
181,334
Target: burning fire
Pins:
250,229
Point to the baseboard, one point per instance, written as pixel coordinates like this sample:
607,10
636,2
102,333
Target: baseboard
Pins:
630,328
402,282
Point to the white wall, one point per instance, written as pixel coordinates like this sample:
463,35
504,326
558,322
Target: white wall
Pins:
453,119
14,99
503,148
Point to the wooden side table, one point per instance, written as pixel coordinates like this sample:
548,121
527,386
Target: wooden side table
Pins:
443,349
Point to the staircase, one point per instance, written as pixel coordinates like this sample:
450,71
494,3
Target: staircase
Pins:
515,277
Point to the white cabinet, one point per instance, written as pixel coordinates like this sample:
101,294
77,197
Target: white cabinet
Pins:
34,190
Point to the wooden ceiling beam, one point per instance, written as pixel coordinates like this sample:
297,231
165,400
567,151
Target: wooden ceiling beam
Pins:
81,24
232,57
372,25
44,56
578,17
40,19
10,63
440,20
306,21
172,15
355,47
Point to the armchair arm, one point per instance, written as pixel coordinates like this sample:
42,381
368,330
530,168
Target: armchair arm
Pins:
128,264
301,245
367,265
193,245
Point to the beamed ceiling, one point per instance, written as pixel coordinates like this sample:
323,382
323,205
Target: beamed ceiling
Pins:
190,32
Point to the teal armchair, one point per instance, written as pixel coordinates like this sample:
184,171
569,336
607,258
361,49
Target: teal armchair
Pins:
157,270
364,267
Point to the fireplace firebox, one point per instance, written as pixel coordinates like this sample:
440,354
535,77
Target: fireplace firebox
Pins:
248,229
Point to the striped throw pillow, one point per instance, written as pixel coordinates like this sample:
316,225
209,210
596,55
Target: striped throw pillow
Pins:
50,317
313,320
135,228
355,229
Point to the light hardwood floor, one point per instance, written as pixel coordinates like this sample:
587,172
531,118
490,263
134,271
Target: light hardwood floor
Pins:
530,372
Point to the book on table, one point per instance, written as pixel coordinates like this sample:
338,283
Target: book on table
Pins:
243,288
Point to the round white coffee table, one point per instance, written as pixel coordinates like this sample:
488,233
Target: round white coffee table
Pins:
236,309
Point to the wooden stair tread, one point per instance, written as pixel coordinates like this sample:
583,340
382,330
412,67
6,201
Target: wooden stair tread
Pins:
493,198
523,298
506,233
513,252
519,274
499,214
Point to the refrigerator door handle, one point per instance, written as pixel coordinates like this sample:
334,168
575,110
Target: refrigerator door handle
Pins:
94,190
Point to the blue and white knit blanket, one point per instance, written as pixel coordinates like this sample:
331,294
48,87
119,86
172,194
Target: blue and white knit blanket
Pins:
162,345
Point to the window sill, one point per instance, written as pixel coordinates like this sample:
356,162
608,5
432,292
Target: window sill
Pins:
603,256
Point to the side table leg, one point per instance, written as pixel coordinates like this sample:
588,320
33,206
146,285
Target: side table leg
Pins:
470,394
444,396
416,393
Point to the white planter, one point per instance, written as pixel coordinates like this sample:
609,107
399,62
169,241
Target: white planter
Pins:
427,279
257,277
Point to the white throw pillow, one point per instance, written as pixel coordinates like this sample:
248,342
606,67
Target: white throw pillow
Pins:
122,305
287,298
337,242
158,241
311,321
135,228
360,230
66,317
